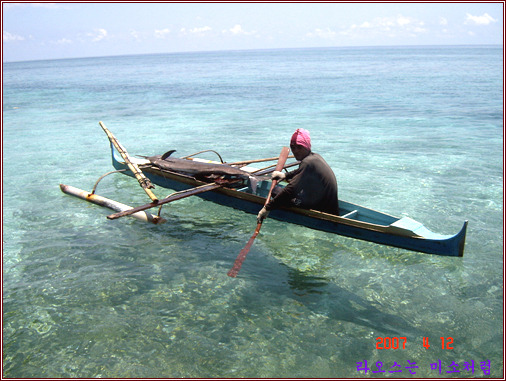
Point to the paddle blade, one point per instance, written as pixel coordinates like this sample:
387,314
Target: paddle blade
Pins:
242,254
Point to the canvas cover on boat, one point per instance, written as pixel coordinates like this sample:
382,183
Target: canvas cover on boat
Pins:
197,168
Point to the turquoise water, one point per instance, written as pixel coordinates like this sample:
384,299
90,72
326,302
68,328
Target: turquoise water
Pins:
415,131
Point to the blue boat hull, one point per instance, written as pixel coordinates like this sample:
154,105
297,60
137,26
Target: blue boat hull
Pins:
367,224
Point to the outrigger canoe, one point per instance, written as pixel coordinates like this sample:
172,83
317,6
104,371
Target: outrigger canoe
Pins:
245,188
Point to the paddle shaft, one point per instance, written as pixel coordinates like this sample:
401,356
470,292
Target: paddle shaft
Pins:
143,180
242,254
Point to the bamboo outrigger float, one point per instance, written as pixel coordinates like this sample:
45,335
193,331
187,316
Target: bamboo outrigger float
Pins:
246,188
111,204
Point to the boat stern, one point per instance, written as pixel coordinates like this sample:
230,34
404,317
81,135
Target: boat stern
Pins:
461,239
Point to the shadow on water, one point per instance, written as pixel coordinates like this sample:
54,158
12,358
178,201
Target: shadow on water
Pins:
322,296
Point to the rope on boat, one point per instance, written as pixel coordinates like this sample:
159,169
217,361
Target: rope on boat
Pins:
101,177
207,150
170,195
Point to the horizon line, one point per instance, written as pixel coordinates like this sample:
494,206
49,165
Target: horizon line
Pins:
256,49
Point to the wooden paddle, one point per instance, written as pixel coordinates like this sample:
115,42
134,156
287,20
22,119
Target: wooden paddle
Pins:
242,255
143,180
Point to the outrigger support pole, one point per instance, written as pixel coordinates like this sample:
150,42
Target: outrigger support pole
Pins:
173,197
143,180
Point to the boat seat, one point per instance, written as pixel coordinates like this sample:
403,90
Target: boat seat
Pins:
351,214
408,224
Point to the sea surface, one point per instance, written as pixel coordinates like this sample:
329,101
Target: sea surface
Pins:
410,131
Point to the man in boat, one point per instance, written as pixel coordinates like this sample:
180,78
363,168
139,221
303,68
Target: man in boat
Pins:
312,186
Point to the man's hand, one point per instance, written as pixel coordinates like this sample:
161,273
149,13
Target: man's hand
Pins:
262,215
277,175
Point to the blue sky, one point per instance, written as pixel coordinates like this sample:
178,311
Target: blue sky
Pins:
44,30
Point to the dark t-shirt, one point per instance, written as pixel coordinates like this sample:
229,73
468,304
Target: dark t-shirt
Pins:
312,186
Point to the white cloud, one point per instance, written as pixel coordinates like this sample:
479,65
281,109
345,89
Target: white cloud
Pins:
443,21
48,5
388,26
402,21
418,30
196,31
162,33
98,35
201,30
326,33
485,19
63,41
237,30
364,25
9,37
135,35
8,6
